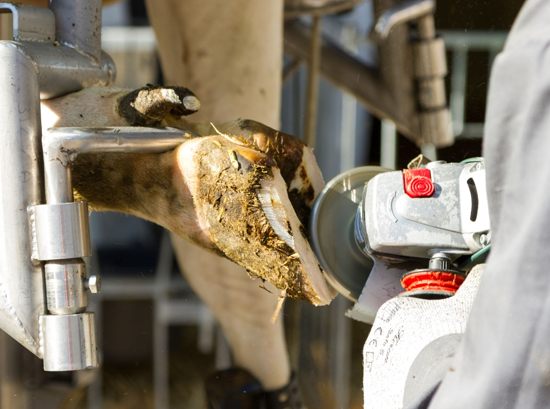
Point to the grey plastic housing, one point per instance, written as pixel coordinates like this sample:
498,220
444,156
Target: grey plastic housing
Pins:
455,218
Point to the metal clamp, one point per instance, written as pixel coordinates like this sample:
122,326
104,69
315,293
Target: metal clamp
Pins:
56,51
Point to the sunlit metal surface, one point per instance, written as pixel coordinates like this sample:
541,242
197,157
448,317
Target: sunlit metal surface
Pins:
69,342
78,25
65,293
21,281
61,231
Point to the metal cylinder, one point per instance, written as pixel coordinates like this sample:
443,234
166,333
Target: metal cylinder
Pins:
63,70
68,342
21,282
62,231
65,292
59,183
431,93
430,69
429,58
440,261
78,24
436,127
426,27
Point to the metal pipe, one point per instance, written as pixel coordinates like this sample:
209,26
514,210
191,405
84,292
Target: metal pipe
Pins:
21,281
65,287
388,145
408,11
69,342
61,231
348,122
476,40
65,143
458,89
426,27
62,145
63,70
291,70
58,179
429,151
313,83
160,339
31,67
347,73
78,25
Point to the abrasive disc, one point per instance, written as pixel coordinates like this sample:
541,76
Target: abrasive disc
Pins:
332,227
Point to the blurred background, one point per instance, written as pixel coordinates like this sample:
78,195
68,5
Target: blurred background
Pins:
158,340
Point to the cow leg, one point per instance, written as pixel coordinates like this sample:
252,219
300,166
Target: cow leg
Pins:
230,54
243,311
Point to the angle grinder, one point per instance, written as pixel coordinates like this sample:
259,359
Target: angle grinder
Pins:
380,233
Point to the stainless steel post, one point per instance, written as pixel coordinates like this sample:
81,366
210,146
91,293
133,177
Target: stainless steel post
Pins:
33,66
21,281
78,25
43,282
313,83
65,286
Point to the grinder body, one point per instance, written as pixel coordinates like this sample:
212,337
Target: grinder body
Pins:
395,230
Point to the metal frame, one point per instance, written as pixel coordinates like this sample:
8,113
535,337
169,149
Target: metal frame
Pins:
459,43
406,87
356,79
35,65
61,146
43,279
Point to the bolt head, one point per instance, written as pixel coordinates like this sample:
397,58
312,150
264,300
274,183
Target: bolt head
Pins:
94,284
